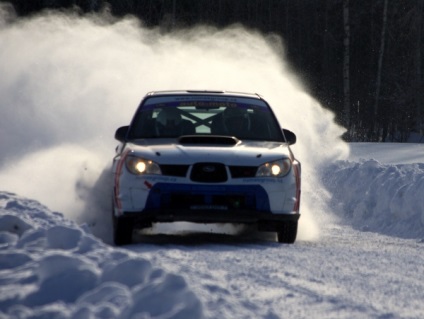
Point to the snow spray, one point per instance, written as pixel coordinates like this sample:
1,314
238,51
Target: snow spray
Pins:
68,81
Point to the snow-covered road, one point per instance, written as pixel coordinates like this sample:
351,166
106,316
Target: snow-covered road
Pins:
346,274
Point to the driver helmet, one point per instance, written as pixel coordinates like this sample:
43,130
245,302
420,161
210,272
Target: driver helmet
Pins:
236,119
168,121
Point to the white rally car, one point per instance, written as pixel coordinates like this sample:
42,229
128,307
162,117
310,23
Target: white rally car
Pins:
205,157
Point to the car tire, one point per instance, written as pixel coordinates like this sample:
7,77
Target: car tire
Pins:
287,232
122,231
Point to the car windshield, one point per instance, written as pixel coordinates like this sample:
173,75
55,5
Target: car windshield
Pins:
174,116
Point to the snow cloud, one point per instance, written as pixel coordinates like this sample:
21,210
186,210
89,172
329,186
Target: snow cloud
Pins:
68,81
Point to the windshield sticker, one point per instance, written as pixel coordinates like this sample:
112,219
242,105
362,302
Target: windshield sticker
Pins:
204,105
203,101
208,104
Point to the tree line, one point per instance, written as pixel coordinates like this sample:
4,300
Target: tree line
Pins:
361,59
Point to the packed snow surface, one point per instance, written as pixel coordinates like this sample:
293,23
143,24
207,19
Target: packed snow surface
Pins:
367,263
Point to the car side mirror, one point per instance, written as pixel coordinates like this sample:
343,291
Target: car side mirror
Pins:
290,136
121,133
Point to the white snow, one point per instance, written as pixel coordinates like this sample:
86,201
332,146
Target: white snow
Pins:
380,196
52,268
367,263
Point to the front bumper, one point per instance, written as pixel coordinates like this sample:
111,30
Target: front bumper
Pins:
276,198
200,203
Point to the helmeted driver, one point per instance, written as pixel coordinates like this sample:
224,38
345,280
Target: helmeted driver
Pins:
168,122
233,122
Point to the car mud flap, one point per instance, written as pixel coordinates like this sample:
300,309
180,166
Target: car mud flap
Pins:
275,225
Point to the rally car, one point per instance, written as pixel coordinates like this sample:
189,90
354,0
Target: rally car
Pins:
205,157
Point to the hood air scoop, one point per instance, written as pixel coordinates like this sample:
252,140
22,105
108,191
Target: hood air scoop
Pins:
208,140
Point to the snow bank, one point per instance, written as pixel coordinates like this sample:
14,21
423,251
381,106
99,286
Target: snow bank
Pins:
378,197
52,268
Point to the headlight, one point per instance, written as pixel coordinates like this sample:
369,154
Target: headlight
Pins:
138,166
278,168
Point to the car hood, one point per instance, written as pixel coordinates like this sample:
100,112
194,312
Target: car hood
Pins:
244,153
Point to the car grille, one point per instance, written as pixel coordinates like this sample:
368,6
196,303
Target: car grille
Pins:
243,171
209,173
174,170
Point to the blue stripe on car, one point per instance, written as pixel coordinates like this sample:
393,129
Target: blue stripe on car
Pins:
167,195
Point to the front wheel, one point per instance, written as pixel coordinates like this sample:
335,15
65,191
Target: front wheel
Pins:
122,230
287,232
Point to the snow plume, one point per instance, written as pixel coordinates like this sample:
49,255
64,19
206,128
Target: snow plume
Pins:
68,81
